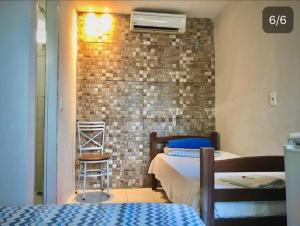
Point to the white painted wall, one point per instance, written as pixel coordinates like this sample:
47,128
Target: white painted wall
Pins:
249,65
17,101
66,143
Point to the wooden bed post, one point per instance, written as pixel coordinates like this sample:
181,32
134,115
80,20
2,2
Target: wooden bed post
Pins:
207,183
215,139
153,153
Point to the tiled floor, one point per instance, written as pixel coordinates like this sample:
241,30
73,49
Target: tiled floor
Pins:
121,196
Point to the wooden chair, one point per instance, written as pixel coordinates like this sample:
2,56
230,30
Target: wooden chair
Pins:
91,137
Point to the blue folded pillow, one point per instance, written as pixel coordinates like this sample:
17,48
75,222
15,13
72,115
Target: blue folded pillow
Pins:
192,143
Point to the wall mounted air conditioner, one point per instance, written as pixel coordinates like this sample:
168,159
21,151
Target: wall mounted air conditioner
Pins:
157,22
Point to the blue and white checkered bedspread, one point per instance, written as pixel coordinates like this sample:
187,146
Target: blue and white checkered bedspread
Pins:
125,214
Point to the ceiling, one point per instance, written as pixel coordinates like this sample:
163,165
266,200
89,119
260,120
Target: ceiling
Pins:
200,8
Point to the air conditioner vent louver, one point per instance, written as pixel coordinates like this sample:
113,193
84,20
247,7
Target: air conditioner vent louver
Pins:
157,22
171,29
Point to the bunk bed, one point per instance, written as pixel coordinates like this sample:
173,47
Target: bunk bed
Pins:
192,182
211,195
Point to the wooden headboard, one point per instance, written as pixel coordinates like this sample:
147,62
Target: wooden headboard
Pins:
158,143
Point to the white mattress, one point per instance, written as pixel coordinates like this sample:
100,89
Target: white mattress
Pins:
180,178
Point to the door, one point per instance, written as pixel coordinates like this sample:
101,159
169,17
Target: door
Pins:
46,120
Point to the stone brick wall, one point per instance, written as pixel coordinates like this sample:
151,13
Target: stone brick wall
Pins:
143,82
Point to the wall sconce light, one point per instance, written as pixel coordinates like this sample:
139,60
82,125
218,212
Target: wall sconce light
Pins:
97,26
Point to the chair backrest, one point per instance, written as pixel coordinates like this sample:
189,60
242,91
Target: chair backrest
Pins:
91,136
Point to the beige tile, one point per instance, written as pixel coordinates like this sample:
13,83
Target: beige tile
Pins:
159,194
140,198
139,191
161,200
140,195
117,196
119,191
70,200
120,196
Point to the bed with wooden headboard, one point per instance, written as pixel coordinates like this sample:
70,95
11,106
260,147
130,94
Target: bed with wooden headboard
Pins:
267,206
158,143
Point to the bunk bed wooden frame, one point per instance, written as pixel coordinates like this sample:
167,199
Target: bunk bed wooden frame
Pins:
210,195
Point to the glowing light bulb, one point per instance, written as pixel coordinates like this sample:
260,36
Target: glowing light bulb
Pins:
98,26
91,22
105,22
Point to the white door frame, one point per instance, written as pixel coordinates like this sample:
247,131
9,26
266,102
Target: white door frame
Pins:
51,93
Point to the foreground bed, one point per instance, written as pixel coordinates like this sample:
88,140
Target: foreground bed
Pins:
133,214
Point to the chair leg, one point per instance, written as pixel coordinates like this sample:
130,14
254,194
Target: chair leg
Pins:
84,181
78,180
107,178
101,179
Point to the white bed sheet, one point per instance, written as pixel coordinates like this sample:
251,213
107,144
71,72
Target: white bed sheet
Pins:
180,176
